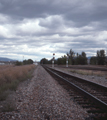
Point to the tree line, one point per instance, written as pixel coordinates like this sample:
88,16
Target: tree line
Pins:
78,59
100,59
24,62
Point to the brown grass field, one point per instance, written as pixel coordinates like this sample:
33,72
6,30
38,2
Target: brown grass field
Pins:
90,72
11,76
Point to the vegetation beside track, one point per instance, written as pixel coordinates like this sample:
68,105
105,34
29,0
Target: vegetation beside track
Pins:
10,77
90,72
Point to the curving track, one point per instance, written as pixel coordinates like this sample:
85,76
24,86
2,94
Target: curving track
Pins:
90,95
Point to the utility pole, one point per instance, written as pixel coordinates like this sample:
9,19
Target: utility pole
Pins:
23,58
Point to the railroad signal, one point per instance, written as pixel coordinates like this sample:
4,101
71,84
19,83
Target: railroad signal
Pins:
67,60
53,60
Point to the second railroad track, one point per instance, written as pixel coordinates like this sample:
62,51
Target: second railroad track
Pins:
89,95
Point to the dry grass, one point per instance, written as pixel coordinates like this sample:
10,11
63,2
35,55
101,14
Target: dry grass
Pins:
90,72
10,76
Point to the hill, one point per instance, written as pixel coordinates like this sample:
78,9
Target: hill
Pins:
6,59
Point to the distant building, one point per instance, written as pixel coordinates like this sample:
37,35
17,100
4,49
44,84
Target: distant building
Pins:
7,62
1,63
36,63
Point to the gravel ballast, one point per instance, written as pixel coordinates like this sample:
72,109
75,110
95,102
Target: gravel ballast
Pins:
42,98
94,78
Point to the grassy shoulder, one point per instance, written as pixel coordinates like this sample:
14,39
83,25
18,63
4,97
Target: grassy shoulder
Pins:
90,72
10,77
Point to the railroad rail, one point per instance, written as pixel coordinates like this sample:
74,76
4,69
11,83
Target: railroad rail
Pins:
90,95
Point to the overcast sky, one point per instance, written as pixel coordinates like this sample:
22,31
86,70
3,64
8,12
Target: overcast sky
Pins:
36,29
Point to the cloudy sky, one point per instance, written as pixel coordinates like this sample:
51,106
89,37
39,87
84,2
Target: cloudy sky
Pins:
38,28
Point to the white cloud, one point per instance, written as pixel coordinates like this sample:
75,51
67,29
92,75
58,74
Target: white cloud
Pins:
4,32
30,26
37,29
102,36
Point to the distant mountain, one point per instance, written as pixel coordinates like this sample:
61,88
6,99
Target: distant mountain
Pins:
6,59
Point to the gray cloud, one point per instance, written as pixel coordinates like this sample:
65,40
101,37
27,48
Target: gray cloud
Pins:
38,28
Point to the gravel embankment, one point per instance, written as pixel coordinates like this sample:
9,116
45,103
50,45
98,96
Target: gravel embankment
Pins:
94,78
42,98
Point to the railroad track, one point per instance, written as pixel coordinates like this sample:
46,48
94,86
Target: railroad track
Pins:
89,95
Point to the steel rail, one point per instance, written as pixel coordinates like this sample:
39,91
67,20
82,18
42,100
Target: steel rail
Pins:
79,78
97,101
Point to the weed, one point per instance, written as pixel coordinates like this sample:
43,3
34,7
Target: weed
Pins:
3,96
73,71
8,107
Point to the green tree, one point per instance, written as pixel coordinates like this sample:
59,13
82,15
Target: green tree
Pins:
29,61
44,61
18,63
93,60
84,62
24,62
81,59
71,56
61,61
101,57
